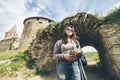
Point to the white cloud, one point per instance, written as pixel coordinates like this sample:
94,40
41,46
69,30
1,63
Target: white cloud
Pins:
111,8
89,49
41,6
117,5
9,13
14,12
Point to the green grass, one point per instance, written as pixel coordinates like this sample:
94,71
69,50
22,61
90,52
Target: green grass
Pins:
17,65
92,56
42,28
11,54
11,69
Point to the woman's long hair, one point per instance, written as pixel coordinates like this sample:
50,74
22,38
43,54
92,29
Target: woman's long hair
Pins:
73,36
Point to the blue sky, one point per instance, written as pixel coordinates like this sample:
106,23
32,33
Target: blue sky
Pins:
15,11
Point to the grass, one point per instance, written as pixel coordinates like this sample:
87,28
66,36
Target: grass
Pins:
17,65
92,56
11,54
19,62
42,28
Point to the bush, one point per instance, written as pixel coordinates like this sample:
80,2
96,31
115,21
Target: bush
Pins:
112,17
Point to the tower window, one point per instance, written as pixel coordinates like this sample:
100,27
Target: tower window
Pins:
29,22
40,22
49,21
38,19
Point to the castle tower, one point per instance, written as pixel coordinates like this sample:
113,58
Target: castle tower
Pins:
11,40
31,26
11,33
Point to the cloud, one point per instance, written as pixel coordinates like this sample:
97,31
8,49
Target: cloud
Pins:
9,14
14,12
107,7
89,49
112,7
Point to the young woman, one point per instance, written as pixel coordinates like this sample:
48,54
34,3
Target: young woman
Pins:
67,52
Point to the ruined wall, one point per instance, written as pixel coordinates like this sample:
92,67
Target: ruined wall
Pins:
106,39
11,33
41,49
31,25
9,44
110,36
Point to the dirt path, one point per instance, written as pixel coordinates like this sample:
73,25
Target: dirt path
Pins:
5,61
94,72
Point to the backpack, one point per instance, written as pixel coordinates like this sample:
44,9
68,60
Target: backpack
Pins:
81,56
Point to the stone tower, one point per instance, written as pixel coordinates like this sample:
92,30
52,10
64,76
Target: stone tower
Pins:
11,40
31,25
11,33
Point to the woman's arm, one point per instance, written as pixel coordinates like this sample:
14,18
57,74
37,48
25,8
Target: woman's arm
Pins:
78,46
57,50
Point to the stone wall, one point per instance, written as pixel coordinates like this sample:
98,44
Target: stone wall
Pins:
31,26
110,35
105,38
41,49
9,44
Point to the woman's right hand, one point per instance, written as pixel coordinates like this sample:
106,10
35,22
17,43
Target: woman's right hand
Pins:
68,57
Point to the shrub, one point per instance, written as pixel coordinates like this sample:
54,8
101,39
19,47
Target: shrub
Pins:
113,17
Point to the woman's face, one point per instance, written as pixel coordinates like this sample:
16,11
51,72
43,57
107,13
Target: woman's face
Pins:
69,31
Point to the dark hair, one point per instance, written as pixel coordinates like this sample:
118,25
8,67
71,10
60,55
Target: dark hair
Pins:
73,36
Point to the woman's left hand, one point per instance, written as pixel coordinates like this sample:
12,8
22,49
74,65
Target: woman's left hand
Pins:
76,51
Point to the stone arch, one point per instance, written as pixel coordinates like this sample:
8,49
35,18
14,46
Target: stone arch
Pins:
91,32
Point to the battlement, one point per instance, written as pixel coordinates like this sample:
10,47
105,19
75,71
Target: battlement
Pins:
11,33
36,19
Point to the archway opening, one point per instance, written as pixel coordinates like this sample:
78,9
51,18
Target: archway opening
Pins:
91,55
93,70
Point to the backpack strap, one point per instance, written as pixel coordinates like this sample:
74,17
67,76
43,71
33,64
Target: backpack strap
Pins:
77,44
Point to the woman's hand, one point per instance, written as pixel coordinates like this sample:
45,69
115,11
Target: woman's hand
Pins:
76,51
68,57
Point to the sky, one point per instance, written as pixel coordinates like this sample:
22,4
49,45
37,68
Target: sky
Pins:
15,11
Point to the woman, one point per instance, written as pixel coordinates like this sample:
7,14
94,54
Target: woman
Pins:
67,52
